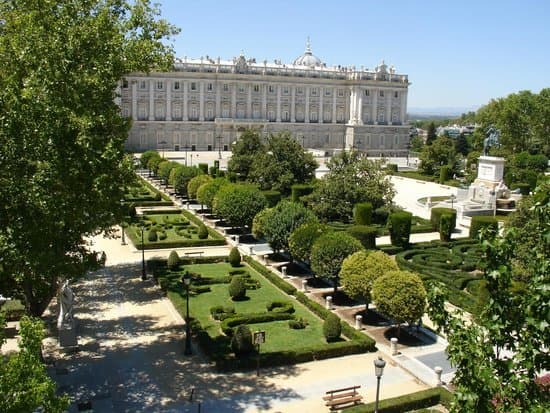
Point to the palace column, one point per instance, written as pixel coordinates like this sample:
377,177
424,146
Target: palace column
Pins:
249,102
264,101
278,103
185,115
388,106
134,100
306,120
321,96
293,104
403,106
151,99
234,100
218,113
201,101
359,94
374,117
168,99
334,93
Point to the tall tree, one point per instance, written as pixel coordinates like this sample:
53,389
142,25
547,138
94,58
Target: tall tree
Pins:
62,156
243,153
432,134
499,357
351,179
283,164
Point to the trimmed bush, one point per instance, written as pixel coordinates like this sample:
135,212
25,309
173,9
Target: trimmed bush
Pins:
400,228
241,342
332,328
445,173
300,190
380,216
365,234
202,232
524,188
280,307
220,312
152,235
480,222
435,216
237,288
203,167
362,213
272,197
234,257
298,324
173,260
391,168
446,226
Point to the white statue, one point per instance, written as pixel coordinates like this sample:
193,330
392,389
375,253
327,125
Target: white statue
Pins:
65,298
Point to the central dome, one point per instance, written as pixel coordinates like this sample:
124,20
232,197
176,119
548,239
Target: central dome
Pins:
308,59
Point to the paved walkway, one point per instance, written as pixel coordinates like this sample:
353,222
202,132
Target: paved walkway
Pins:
130,360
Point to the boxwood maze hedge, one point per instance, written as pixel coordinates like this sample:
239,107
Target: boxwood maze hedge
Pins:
452,263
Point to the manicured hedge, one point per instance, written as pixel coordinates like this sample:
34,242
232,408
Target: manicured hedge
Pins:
446,226
272,197
480,222
524,188
408,402
435,216
392,168
362,213
399,224
365,234
273,278
300,190
444,174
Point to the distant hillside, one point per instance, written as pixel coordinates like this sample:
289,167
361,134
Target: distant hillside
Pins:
439,112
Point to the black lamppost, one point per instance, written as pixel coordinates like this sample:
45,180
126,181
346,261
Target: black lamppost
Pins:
143,273
379,365
452,197
186,147
122,224
219,146
186,280
162,143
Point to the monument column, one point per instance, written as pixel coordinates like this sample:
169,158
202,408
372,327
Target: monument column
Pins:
151,99
168,99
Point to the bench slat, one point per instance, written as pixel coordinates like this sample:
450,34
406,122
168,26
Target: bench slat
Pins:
340,395
347,400
344,389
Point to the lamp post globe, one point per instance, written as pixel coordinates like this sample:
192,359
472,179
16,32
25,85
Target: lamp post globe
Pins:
186,280
379,365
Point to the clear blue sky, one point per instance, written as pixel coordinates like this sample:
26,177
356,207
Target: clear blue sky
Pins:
457,53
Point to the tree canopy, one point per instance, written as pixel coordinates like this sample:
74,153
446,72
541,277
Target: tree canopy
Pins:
238,204
243,153
351,179
303,237
62,157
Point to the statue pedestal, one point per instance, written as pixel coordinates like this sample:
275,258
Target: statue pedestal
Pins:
67,336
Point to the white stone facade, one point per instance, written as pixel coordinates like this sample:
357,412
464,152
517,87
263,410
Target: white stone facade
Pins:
204,104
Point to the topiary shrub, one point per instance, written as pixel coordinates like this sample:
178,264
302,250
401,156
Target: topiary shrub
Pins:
202,232
241,342
173,261
332,328
152,235
445,174
272,197
391,168
234,257
399,224
479,222
237,288
203,167
446,226
300,190
380,215
362,213
298,324
365,234
435,216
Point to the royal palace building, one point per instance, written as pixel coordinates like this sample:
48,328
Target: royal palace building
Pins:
204,104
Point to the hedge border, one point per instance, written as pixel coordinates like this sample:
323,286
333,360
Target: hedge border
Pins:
413,401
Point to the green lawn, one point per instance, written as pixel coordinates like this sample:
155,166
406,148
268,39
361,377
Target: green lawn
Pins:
279,336
144,194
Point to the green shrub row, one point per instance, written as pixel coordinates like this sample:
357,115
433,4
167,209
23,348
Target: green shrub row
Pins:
408,402
272,277
179,244
435,216
12,310
481,222
280,307
252,318
143,182
399,225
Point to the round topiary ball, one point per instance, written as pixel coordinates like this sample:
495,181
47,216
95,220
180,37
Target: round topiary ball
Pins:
332,328
202,232
173,261
241,342
234,257
237,288
152,235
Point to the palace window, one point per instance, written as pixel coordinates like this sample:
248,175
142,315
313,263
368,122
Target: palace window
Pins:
313,117
176,85
193,86
143,85
328,92
160,85
125,84
271,89
286,116
210,87
367,92
271,116
225,112
256,88
340,93
225,87
299,91
314,91
286,90
241,88
381,93
396,94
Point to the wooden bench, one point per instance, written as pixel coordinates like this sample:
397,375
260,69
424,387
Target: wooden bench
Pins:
193,253
341,398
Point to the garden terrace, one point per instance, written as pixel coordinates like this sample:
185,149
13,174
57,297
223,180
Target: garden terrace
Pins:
214,315
174,230
455,264
418,225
